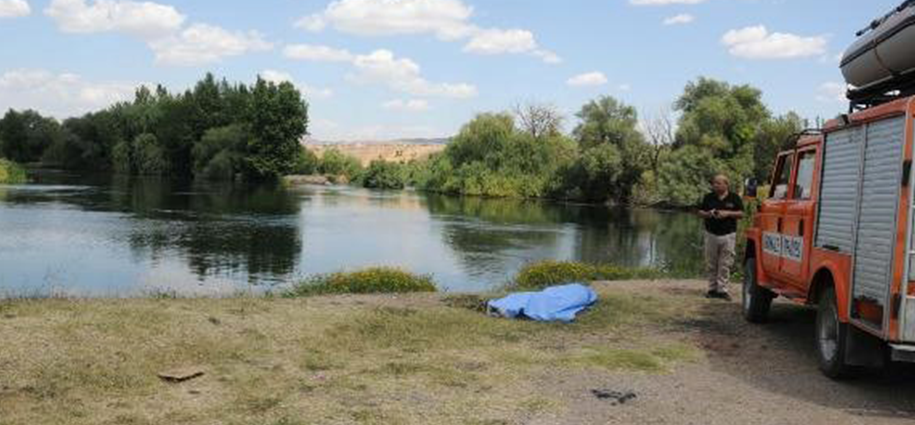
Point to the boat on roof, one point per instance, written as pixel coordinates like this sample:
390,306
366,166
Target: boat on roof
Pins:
884,51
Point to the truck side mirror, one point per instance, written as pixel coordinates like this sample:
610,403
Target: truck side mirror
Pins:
751,187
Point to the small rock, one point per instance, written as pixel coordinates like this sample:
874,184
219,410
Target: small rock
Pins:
180,375
615,397
194,392
214,321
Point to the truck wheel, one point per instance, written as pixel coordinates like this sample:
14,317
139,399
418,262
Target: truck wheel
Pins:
830,336
756,299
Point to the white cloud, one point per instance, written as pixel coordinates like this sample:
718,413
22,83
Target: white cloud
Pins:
758,43
143,19
307,90
663,2
448,20
832,92
589,79
412,105
382,67
14,8
317,53
202,44
60,95
681,19
313,23
404,75
491,42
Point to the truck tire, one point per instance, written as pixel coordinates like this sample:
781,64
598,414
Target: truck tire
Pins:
755,299
831,335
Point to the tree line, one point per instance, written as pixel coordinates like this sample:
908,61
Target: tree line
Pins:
610,155
216,130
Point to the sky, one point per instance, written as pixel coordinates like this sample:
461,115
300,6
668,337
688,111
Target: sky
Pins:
389,69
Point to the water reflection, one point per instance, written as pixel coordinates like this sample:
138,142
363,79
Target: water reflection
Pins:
104,235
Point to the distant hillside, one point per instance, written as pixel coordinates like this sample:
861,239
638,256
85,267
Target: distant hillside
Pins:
394,151
432,141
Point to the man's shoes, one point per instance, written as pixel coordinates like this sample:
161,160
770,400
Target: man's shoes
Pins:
718,295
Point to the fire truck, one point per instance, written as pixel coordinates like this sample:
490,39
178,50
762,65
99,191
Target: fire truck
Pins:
836,230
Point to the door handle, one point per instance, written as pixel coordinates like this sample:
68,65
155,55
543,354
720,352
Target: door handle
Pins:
779,225
800,228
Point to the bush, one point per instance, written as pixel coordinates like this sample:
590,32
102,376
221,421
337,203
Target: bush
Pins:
547,273
384,175
11,172
336,163
377,280
306,162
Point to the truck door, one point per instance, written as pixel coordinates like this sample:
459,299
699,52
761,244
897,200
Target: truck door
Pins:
797,224
772,213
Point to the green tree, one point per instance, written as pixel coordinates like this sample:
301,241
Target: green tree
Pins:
609,122
278,119
723,119
218,155
774,136
684,175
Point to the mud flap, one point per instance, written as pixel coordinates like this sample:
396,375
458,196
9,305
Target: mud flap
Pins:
863,349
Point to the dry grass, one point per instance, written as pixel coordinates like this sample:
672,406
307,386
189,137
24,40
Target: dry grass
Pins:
348,360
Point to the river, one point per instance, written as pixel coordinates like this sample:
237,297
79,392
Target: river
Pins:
112,236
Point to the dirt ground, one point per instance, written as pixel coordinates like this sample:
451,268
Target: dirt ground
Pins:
649,353
750,374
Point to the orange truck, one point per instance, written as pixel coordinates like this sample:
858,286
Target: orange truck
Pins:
837,228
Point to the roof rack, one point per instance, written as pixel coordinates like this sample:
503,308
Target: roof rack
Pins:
896,88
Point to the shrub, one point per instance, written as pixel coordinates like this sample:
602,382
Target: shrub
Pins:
384,175
377,280
547,273
336,163
11,172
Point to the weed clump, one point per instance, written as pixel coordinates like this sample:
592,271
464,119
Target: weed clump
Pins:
377,280
546,273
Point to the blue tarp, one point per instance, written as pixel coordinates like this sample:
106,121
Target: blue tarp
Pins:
557,303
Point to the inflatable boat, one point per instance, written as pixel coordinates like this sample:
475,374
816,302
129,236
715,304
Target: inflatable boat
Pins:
884,51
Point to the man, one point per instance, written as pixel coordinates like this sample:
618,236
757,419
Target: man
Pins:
721,209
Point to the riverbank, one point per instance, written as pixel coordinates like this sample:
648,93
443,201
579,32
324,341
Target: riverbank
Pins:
420,359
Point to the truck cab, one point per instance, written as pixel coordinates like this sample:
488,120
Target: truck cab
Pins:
836,232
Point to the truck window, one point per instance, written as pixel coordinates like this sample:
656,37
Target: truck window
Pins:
782,178
804,187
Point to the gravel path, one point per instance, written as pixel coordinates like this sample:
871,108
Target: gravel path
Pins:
750,374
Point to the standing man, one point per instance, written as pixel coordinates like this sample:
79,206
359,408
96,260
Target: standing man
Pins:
721,209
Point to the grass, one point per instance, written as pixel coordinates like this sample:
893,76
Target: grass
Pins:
547,273
362,360
378,280
10,172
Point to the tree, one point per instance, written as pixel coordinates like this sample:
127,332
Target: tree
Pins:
539,120
218,155
774,136
684,176
336,163
606,121
278,119
723,119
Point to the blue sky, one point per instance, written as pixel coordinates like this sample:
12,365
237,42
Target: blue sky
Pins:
381,69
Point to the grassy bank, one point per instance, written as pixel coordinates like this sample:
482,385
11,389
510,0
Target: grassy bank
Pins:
355,359
10,172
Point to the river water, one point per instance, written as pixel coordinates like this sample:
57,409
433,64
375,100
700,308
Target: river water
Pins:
113,236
